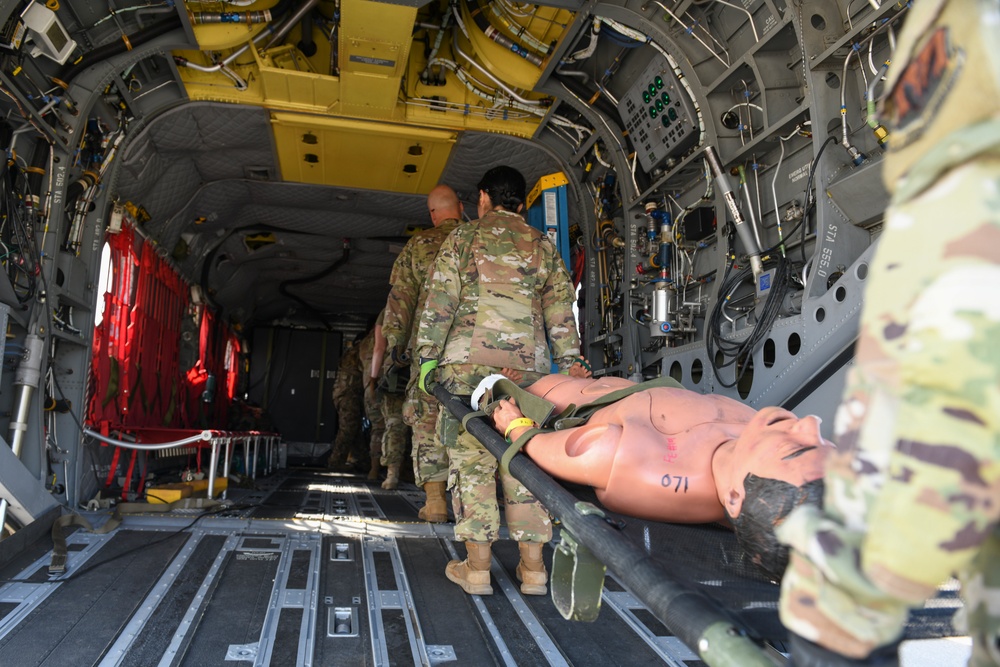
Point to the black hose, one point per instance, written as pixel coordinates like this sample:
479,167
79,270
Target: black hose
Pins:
307,45
283,287
690,615
127,43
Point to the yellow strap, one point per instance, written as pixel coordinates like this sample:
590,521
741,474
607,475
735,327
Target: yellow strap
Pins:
520,421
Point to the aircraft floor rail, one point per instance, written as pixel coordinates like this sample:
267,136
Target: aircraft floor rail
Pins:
219,443
693,618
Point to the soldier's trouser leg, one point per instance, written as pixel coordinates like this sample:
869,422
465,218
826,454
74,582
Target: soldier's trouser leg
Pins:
527,519
911,490
348,431
472,480
377,434
430,457
981,590
473,488
394,440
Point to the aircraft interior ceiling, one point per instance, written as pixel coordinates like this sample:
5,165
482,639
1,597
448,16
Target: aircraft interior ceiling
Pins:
722,164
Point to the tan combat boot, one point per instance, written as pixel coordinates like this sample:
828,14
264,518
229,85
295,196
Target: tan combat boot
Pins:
473,573
531,570
391,477
435,510
373,472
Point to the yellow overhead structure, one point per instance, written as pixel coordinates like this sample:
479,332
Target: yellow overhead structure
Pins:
360,154
375,42
363,98
512,68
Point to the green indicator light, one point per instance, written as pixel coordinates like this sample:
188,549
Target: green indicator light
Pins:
645,97
665,121
665,96
658,82
652,112
659,105
652,89
672,114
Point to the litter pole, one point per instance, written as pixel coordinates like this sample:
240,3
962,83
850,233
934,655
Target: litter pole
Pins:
693,617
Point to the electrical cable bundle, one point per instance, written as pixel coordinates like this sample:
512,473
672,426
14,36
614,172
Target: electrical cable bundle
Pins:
740,352
19,252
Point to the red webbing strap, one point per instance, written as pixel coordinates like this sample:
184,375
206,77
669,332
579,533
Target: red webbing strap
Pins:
109,335
144,467
114,467
128,475
128,343
232,366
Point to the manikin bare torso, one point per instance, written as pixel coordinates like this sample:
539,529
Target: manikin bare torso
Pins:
669,454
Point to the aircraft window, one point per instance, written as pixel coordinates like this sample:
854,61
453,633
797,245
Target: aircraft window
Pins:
103,280
820,314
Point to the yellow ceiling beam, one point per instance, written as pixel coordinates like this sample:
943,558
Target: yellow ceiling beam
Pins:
360,154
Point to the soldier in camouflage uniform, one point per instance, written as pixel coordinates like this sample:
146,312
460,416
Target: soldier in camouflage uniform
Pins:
410,284
347,399
390,394
913,494
373,405
501,297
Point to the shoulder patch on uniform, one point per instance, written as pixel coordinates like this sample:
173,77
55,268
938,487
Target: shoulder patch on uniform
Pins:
924,84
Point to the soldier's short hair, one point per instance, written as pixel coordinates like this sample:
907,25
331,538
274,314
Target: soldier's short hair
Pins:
505,187
766,503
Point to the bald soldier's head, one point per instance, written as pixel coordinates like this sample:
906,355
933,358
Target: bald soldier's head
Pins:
443,204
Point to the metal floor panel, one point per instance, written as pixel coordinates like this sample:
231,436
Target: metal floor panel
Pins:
309,568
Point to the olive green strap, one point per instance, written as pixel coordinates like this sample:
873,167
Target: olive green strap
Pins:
517,445
475,415
575,416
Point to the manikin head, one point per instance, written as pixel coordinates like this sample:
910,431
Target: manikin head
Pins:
501,186
777,464
443,204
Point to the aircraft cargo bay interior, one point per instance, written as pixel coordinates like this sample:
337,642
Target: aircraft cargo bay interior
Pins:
205,210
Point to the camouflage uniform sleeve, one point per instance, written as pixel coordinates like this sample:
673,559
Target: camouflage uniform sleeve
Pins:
439,310
402,301
557,309
918,469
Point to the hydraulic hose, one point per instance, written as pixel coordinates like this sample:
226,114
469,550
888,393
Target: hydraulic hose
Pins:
127,43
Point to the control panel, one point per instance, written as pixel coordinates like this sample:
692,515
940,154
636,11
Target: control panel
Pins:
658,115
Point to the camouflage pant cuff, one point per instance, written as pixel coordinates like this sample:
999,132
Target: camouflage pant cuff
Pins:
436,477
475,536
